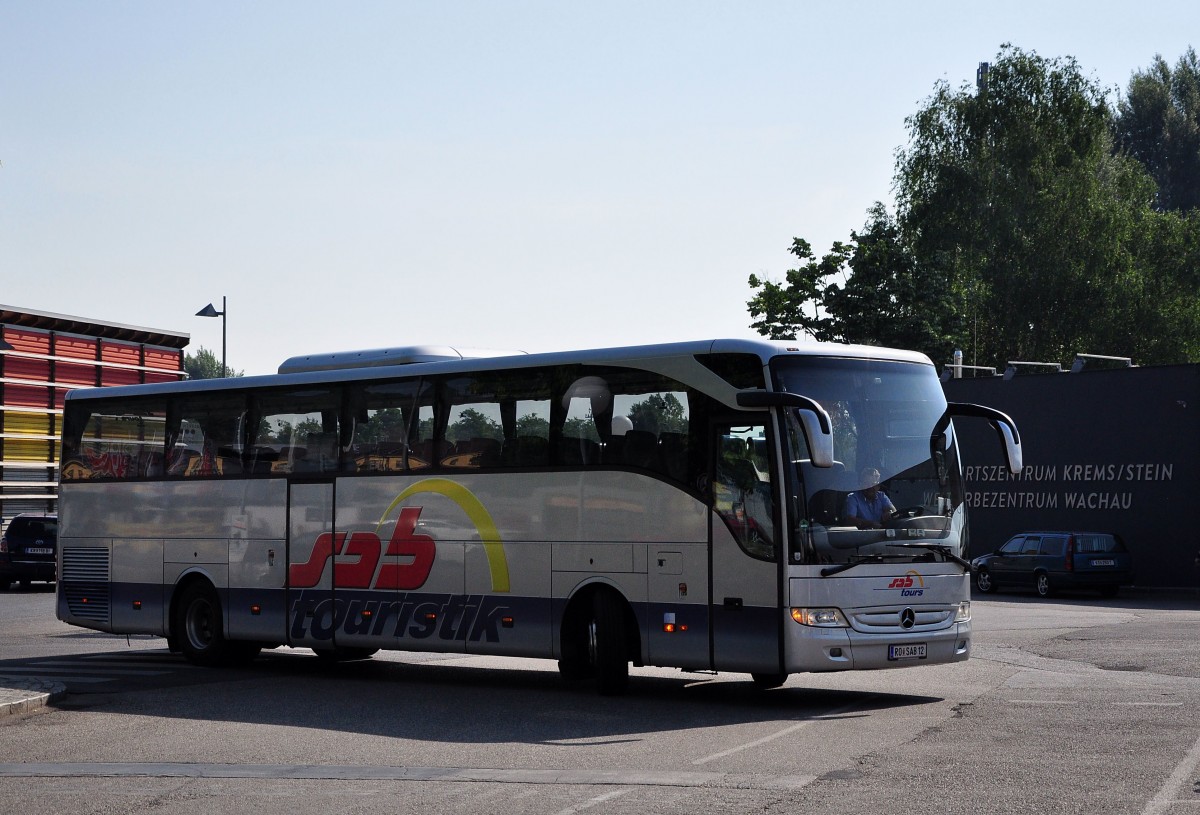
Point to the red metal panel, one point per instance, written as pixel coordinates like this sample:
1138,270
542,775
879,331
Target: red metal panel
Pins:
156,376
26,395
121,353
75,347
72,373
119,376
22,368
165,358
28,340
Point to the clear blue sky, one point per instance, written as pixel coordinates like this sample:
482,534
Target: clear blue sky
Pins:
524,175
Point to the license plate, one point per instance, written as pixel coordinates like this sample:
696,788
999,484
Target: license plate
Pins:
916,650
1104,563
38,550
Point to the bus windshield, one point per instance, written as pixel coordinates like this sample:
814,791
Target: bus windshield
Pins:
895,490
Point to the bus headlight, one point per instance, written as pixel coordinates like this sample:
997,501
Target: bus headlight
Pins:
964,612
820,617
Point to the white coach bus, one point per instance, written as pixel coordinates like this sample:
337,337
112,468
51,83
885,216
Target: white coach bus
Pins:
685,505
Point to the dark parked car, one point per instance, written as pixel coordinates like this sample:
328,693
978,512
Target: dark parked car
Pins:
1048,561
28,550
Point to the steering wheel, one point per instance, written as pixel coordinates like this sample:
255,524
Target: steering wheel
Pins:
908,512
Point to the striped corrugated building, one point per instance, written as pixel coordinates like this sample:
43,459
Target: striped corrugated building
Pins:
43,356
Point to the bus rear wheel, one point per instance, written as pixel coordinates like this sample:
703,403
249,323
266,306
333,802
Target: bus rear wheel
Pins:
200,630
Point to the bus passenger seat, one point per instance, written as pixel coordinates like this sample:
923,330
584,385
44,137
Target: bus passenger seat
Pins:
674,449
641,449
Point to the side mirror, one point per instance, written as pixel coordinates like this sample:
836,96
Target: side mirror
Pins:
1010,440
814,419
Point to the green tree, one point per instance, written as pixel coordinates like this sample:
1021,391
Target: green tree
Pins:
472,424
1020,233
659,413
890,297
581,427
532,424
1158,123
384,425
204,364
1012,191
781,308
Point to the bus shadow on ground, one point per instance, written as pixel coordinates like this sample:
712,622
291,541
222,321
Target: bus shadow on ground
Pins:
438,700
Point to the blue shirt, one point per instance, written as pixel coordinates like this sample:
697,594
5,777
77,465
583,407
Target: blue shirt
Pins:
860,506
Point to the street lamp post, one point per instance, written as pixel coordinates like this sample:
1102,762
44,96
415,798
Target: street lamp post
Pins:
209,311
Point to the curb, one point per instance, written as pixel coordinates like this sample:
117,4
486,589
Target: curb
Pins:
18,695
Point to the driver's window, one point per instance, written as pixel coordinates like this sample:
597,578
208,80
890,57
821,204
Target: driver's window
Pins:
742,493
1013,547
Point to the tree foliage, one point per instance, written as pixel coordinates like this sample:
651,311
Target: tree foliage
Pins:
1158,123
204,364
472,424
659,413
1021,233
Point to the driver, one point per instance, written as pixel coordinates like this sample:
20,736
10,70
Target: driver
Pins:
868,508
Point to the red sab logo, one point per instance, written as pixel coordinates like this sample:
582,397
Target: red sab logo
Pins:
901,583
357,558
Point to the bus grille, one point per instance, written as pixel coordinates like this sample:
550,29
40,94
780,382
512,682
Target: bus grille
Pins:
84,583
887,620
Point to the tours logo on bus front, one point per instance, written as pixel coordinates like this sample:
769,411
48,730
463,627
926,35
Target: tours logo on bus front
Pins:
910,585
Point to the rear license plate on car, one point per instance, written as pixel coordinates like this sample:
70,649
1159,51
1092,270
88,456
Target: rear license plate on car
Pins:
916,650
39,550
1104,563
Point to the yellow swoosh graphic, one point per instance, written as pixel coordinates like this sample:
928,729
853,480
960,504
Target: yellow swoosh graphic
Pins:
493,547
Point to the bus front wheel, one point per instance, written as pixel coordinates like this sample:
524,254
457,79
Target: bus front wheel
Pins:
608,651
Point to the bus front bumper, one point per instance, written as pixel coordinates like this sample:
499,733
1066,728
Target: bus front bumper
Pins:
844,649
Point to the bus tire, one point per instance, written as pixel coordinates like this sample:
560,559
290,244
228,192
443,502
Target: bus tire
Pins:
765,681
607,648
199,626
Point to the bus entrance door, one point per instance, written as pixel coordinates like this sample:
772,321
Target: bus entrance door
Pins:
745,573
311,548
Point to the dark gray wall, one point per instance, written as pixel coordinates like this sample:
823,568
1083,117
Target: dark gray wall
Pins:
1105,451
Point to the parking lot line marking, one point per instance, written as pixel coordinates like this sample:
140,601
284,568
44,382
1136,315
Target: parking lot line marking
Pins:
1148,704
1041,702
591,802
779,734
1168,794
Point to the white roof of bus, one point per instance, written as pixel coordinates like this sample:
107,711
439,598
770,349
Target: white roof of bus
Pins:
432,359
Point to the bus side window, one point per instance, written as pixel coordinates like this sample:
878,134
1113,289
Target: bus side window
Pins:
116,440
378,428
214,443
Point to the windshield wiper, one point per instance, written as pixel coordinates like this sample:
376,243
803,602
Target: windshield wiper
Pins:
829,571
941,549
